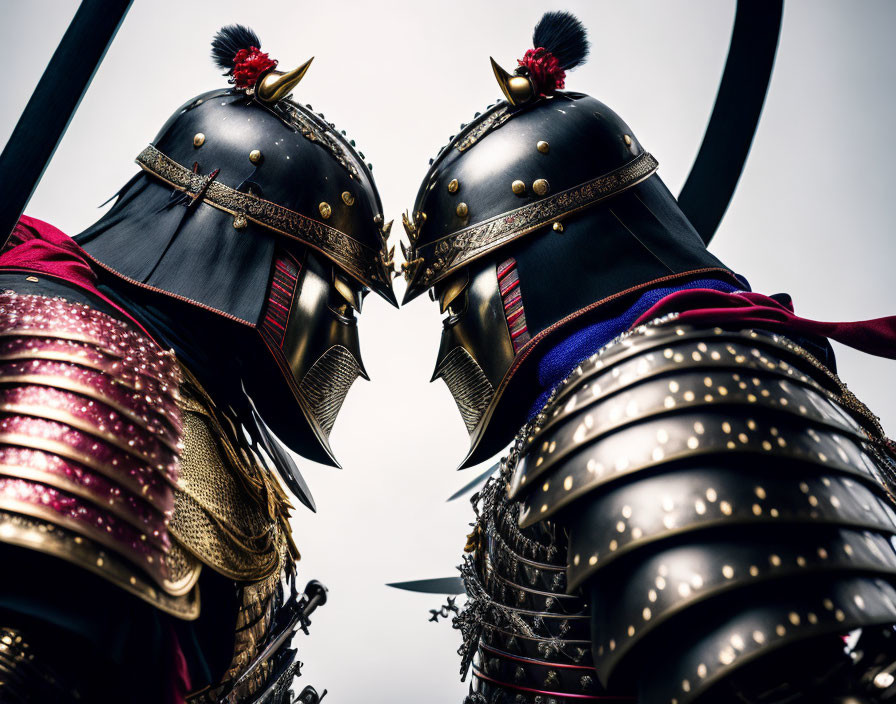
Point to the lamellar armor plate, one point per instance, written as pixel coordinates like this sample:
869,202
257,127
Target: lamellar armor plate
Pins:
693,516
90,440
114,458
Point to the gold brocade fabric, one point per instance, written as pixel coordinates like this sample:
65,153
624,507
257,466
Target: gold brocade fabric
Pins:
253,622
231,514
229,511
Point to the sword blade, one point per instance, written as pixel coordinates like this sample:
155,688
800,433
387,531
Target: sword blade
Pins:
473,484
441,585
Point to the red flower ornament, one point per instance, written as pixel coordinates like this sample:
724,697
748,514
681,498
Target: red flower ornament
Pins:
248,65
545,71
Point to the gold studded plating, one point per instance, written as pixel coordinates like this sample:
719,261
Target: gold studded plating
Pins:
255,156
198,139
543,147
453,185
462,210
541,187
348,198
518,187
325,210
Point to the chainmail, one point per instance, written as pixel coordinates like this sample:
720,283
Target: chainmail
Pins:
493,512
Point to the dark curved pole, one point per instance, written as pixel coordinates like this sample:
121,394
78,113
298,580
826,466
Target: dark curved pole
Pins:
53,103
726,143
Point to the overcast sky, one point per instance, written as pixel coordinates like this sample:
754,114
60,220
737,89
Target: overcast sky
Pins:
813,216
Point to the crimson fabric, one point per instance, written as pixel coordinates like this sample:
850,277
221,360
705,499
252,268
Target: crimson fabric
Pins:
705,307
180,676
40,248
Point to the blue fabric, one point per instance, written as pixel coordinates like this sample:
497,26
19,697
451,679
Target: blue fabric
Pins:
565,356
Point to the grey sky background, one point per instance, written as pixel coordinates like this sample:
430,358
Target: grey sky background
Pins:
813,216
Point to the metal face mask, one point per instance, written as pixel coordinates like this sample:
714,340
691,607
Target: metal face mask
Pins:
476,349
310,317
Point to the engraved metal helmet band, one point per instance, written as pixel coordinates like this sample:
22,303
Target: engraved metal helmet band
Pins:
369,266
532,159
253,154
430,263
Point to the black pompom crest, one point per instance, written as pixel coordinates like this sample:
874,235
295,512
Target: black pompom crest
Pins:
228,41
563,35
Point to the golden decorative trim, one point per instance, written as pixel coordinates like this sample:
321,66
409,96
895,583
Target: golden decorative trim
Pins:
62,416
58,481
62,383
68,452
60,335
359,260
56,356
436,260
153,564
31,534
490,122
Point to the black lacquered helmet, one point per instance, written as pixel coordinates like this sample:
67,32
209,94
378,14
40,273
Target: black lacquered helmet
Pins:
255,154
540,155
256,209
544,212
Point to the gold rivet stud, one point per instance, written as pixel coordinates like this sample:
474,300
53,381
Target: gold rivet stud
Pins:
255,156
543,147
198,139
627,139
518,187
453,185
462,210
378,219
348,198
325,210
541,187
239,222
32,279
558,226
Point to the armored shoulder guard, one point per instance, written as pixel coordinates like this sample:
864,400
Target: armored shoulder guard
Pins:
725,496
90,439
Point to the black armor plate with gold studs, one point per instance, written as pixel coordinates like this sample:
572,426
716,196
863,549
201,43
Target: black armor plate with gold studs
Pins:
725,498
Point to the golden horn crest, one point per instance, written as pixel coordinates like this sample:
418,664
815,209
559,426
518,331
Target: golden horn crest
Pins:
276,85
412,262
517,89
387,254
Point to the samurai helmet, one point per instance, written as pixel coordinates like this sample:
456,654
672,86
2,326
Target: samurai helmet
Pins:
256,209
545,211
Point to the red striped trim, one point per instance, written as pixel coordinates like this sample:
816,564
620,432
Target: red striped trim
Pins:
512,297
505,267
513,300
505,289
513,316
281,293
